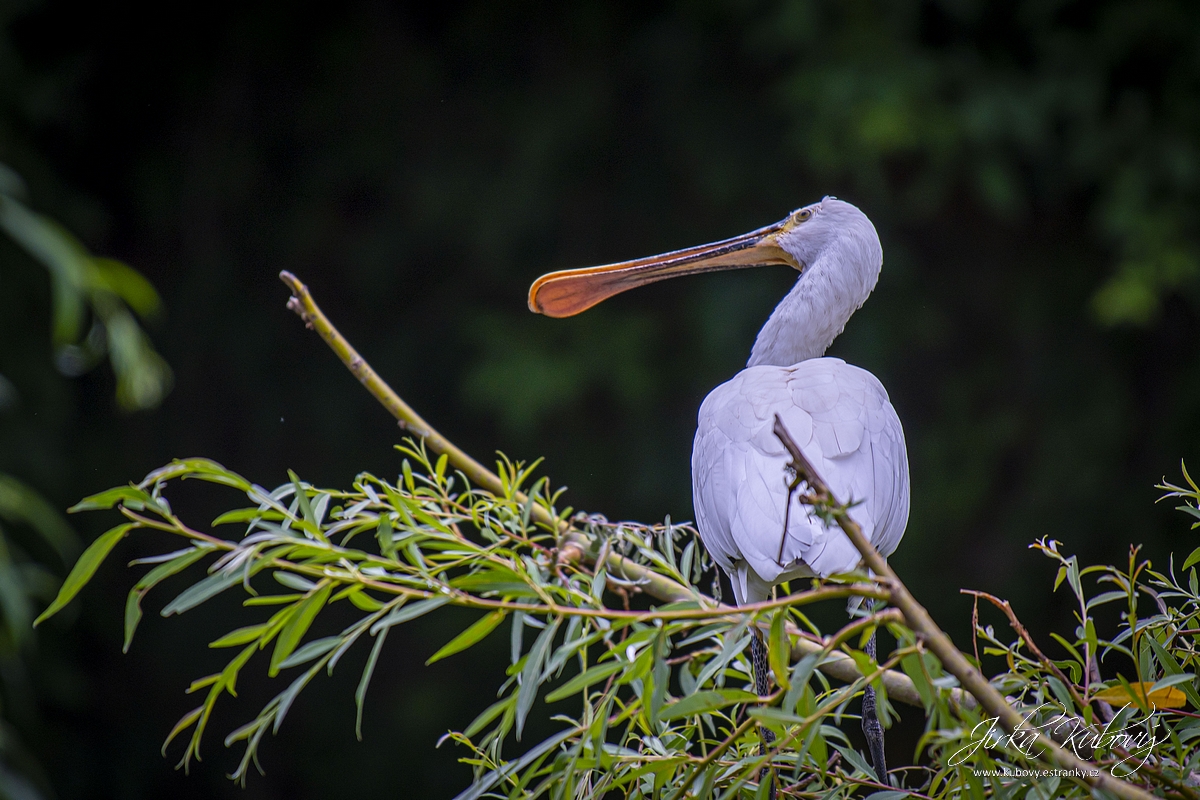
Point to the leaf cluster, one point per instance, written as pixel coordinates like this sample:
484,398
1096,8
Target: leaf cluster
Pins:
651,700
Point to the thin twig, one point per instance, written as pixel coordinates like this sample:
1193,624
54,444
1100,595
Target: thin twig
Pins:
1023,633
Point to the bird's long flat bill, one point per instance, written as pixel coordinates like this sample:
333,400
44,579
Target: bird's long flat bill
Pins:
571,291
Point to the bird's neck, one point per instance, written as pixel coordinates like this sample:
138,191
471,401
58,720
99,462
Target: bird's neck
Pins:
817,308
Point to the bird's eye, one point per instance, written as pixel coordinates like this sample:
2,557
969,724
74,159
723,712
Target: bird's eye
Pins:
803,214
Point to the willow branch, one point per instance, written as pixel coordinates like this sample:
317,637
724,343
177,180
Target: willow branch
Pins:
921,623
834,664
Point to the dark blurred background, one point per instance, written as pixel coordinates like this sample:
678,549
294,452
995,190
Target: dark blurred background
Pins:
1033,169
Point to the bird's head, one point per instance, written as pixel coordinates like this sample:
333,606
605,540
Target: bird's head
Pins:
795,241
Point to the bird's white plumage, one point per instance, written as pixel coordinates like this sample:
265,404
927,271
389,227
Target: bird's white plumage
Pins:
838,414
841,418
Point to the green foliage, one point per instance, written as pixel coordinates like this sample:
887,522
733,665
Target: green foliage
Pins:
22,578
111,290
657,701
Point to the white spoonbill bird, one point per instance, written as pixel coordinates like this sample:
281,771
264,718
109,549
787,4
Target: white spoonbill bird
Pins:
838,414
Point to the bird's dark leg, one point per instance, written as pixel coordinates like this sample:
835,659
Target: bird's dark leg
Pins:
762,687
871,726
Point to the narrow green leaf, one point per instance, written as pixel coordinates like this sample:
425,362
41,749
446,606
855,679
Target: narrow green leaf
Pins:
1106,597
1073,577
200,683
1138,698
240,636
314,649
293,581
414,555
1192,559
1058,578
687,681
130,495
769,714
661,675
698,703
911,664
302,498
271,600
129,284
360,693
1060,692
297,626
516,634
198,593
172,567
184,723
527,510
246,515
1089,633
500,579
470,636
204,469
584,679
288,696
1171,680
364,602
348,638
531,674
778,651
736,641
385,537
599,581
489,714
1188,478
856,760
409,611
704,702
133,615
1070,648
801,672
133,603
84,569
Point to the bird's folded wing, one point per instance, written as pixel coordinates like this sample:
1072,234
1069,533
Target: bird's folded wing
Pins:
840,417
